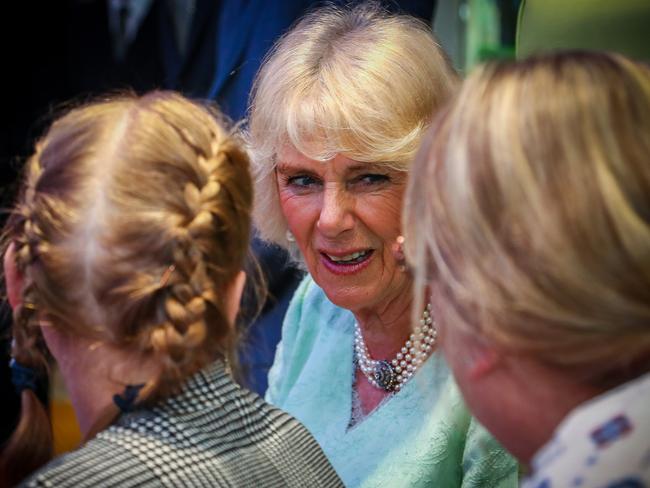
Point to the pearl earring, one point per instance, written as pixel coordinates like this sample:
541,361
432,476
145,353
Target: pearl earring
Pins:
398,253
290,237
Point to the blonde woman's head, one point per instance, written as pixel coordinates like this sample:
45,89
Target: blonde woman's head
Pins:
353,81
531,211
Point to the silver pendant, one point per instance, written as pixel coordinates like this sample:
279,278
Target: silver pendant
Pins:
385,376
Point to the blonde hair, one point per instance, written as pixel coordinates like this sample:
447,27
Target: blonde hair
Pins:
358,82
134,220
531,211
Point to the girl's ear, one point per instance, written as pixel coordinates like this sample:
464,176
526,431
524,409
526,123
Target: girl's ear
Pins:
233,298
13,277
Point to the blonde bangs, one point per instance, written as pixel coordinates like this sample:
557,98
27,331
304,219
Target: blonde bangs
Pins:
322,125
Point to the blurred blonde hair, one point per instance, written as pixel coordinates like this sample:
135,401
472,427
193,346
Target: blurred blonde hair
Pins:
353,81
133,221
531,211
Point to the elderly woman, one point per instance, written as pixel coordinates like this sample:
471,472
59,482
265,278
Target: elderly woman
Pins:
338,111
531,216
124,259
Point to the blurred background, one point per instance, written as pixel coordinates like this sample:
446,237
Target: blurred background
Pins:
474,31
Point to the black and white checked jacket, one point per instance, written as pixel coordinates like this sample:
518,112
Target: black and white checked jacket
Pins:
213,433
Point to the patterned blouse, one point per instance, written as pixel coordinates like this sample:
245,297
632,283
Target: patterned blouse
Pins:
603,443
213,433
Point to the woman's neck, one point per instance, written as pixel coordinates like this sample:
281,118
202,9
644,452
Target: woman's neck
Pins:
537,407
386,328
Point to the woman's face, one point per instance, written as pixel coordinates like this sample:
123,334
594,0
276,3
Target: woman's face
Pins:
345,215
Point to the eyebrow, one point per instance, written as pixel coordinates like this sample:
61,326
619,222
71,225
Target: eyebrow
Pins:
363,167
287,168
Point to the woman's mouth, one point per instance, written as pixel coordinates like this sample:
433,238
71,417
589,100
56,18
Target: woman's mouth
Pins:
347,263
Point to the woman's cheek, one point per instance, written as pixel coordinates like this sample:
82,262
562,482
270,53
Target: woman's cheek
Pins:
289,203
300,212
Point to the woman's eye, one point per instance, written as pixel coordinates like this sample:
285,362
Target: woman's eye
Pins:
372,179
302,181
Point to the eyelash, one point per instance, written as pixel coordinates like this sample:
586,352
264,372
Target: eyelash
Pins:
367,180
295,181
372,179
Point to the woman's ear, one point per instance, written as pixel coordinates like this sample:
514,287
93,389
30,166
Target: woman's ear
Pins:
234,294
483,358
13,277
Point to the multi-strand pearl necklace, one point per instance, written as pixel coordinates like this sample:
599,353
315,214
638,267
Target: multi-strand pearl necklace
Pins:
391,375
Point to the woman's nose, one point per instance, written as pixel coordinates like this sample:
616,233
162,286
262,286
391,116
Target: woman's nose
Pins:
336,214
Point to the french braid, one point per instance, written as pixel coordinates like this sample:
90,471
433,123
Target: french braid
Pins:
28,238
192,297
31,443
133,222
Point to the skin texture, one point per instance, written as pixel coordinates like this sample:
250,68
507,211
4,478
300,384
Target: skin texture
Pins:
343,206
338,207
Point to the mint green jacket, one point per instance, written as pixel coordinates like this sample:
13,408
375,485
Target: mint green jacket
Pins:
421,436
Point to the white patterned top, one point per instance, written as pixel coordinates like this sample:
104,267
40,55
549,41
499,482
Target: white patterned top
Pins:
603,443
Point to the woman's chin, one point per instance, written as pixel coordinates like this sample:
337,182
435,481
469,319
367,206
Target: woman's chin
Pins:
350,299
348,286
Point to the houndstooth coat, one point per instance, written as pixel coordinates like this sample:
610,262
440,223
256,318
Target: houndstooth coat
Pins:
213,433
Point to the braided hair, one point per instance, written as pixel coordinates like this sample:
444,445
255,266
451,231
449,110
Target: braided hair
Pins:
133,219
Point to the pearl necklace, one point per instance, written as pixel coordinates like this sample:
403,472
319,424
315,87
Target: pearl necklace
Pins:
391,375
